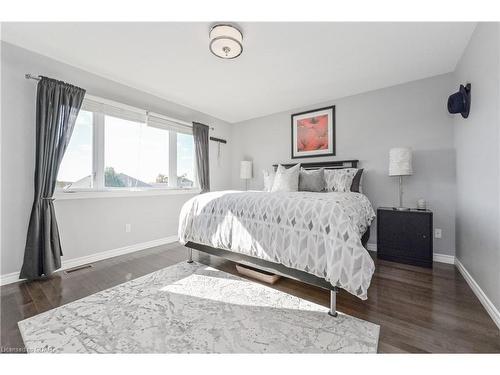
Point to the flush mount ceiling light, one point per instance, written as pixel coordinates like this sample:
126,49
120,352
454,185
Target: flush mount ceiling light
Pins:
225,41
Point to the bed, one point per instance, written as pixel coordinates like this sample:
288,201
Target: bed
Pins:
316,238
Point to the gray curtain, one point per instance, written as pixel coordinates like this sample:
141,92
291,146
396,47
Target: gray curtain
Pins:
200,135
57,106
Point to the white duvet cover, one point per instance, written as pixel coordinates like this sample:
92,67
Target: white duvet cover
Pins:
319,233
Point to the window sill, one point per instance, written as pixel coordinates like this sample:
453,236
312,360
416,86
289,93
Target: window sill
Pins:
67,195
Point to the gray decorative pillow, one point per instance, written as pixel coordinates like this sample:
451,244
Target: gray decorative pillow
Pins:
339,179
286,179
357,182
312,180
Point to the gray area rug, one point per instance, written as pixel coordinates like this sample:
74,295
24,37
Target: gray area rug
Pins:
192,308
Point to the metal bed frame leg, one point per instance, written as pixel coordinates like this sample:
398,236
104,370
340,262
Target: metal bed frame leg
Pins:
190,255
333,302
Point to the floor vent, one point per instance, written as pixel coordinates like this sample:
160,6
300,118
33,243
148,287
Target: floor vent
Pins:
74,269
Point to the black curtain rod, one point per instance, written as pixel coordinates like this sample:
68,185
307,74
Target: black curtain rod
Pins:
220,140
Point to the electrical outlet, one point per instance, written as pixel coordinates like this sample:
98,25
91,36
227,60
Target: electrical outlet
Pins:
128,228
438,233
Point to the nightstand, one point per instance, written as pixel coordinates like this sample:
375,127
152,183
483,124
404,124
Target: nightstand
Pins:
405,236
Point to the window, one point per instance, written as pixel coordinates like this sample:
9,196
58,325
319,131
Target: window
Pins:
185,160
75,170
115,147
136,155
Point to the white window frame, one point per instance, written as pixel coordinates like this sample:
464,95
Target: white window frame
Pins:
101,107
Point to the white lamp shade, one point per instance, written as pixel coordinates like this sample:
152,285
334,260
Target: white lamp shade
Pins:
246,170
400,162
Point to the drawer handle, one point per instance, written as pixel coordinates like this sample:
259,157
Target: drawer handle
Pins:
424,236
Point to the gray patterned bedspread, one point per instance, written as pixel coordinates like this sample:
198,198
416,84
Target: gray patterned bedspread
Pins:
319,233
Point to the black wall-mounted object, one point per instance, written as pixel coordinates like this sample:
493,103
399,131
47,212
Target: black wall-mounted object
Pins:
459,102
220,140
405,236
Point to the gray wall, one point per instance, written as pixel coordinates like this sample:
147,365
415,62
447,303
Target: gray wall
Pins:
368,125
87,225
477,146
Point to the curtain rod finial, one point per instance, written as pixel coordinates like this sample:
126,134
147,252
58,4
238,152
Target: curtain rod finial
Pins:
31,76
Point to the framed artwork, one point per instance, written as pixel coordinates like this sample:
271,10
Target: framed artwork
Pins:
313,133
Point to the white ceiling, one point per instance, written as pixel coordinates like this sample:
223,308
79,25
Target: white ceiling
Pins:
283,65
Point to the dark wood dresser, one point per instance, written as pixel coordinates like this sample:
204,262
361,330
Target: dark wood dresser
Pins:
405,236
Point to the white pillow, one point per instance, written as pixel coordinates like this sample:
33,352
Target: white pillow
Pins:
286,179
339,179
268,179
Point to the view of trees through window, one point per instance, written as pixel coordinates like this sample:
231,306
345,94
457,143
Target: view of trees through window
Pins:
185,160
135,156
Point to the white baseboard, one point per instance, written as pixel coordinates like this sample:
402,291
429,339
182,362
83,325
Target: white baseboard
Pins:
483,298
9,278
441,258
70,263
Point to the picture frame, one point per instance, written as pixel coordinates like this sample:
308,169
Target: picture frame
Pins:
313,133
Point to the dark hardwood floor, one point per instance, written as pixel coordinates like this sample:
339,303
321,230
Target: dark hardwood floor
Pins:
419,310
